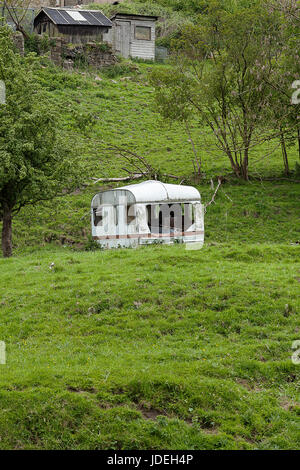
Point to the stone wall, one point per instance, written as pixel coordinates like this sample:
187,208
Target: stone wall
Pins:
56,52
19,42
93,54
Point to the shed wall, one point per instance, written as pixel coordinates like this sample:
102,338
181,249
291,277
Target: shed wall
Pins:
81,34
140,48
126,44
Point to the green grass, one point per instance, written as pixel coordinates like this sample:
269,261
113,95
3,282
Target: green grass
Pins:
151,348
258,212
125,115
159,347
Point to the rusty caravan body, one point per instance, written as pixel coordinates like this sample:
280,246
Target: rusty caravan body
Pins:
148,212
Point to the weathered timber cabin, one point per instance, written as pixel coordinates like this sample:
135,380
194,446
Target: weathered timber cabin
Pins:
132,35
76,26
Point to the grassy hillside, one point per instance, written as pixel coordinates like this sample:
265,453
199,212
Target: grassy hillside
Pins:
163,348
121,104
158,347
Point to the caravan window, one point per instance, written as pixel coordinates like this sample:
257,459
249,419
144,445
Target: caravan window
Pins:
143,32
131,216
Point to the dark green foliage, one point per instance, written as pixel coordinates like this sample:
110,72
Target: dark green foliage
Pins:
120,69
36,161
38,44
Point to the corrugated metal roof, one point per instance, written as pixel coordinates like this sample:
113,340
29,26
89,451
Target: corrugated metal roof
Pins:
133,15
66,16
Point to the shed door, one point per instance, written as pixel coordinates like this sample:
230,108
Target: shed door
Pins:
123,38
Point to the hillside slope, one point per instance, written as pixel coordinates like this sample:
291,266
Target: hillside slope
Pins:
120,102
159,349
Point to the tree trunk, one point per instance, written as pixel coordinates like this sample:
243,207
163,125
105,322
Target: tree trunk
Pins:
22,30
245,165
235,167
298,134
284,154
7,232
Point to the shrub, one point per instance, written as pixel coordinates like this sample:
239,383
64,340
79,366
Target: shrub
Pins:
38,44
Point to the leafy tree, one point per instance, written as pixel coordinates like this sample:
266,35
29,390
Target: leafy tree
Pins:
219,65
36,162
283,113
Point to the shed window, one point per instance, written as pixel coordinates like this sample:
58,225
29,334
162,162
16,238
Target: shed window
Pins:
143,32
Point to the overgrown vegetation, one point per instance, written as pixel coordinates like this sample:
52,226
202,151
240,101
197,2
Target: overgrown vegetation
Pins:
116,108
232,72
159,347
170,21
39,44
36,162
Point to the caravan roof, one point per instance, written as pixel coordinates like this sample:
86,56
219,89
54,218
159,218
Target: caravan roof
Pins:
149,192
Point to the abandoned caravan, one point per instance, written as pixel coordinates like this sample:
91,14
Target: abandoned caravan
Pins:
148,212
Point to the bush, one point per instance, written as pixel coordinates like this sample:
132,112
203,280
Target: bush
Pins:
92,245
38,44
120,69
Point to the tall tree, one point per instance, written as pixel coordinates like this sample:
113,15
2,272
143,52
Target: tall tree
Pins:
217,77
36,163
17,11
282,114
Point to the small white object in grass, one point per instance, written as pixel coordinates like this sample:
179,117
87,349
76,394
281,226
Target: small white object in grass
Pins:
51,266
2,92
2,353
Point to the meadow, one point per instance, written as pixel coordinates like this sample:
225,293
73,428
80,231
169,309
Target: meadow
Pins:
159,347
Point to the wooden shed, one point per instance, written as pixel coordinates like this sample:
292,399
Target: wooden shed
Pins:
132,35
77,26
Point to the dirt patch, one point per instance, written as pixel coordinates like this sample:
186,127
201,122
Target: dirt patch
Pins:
81,390
244,384
289,405
151,413
249,386
107,406
291,378
210,430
